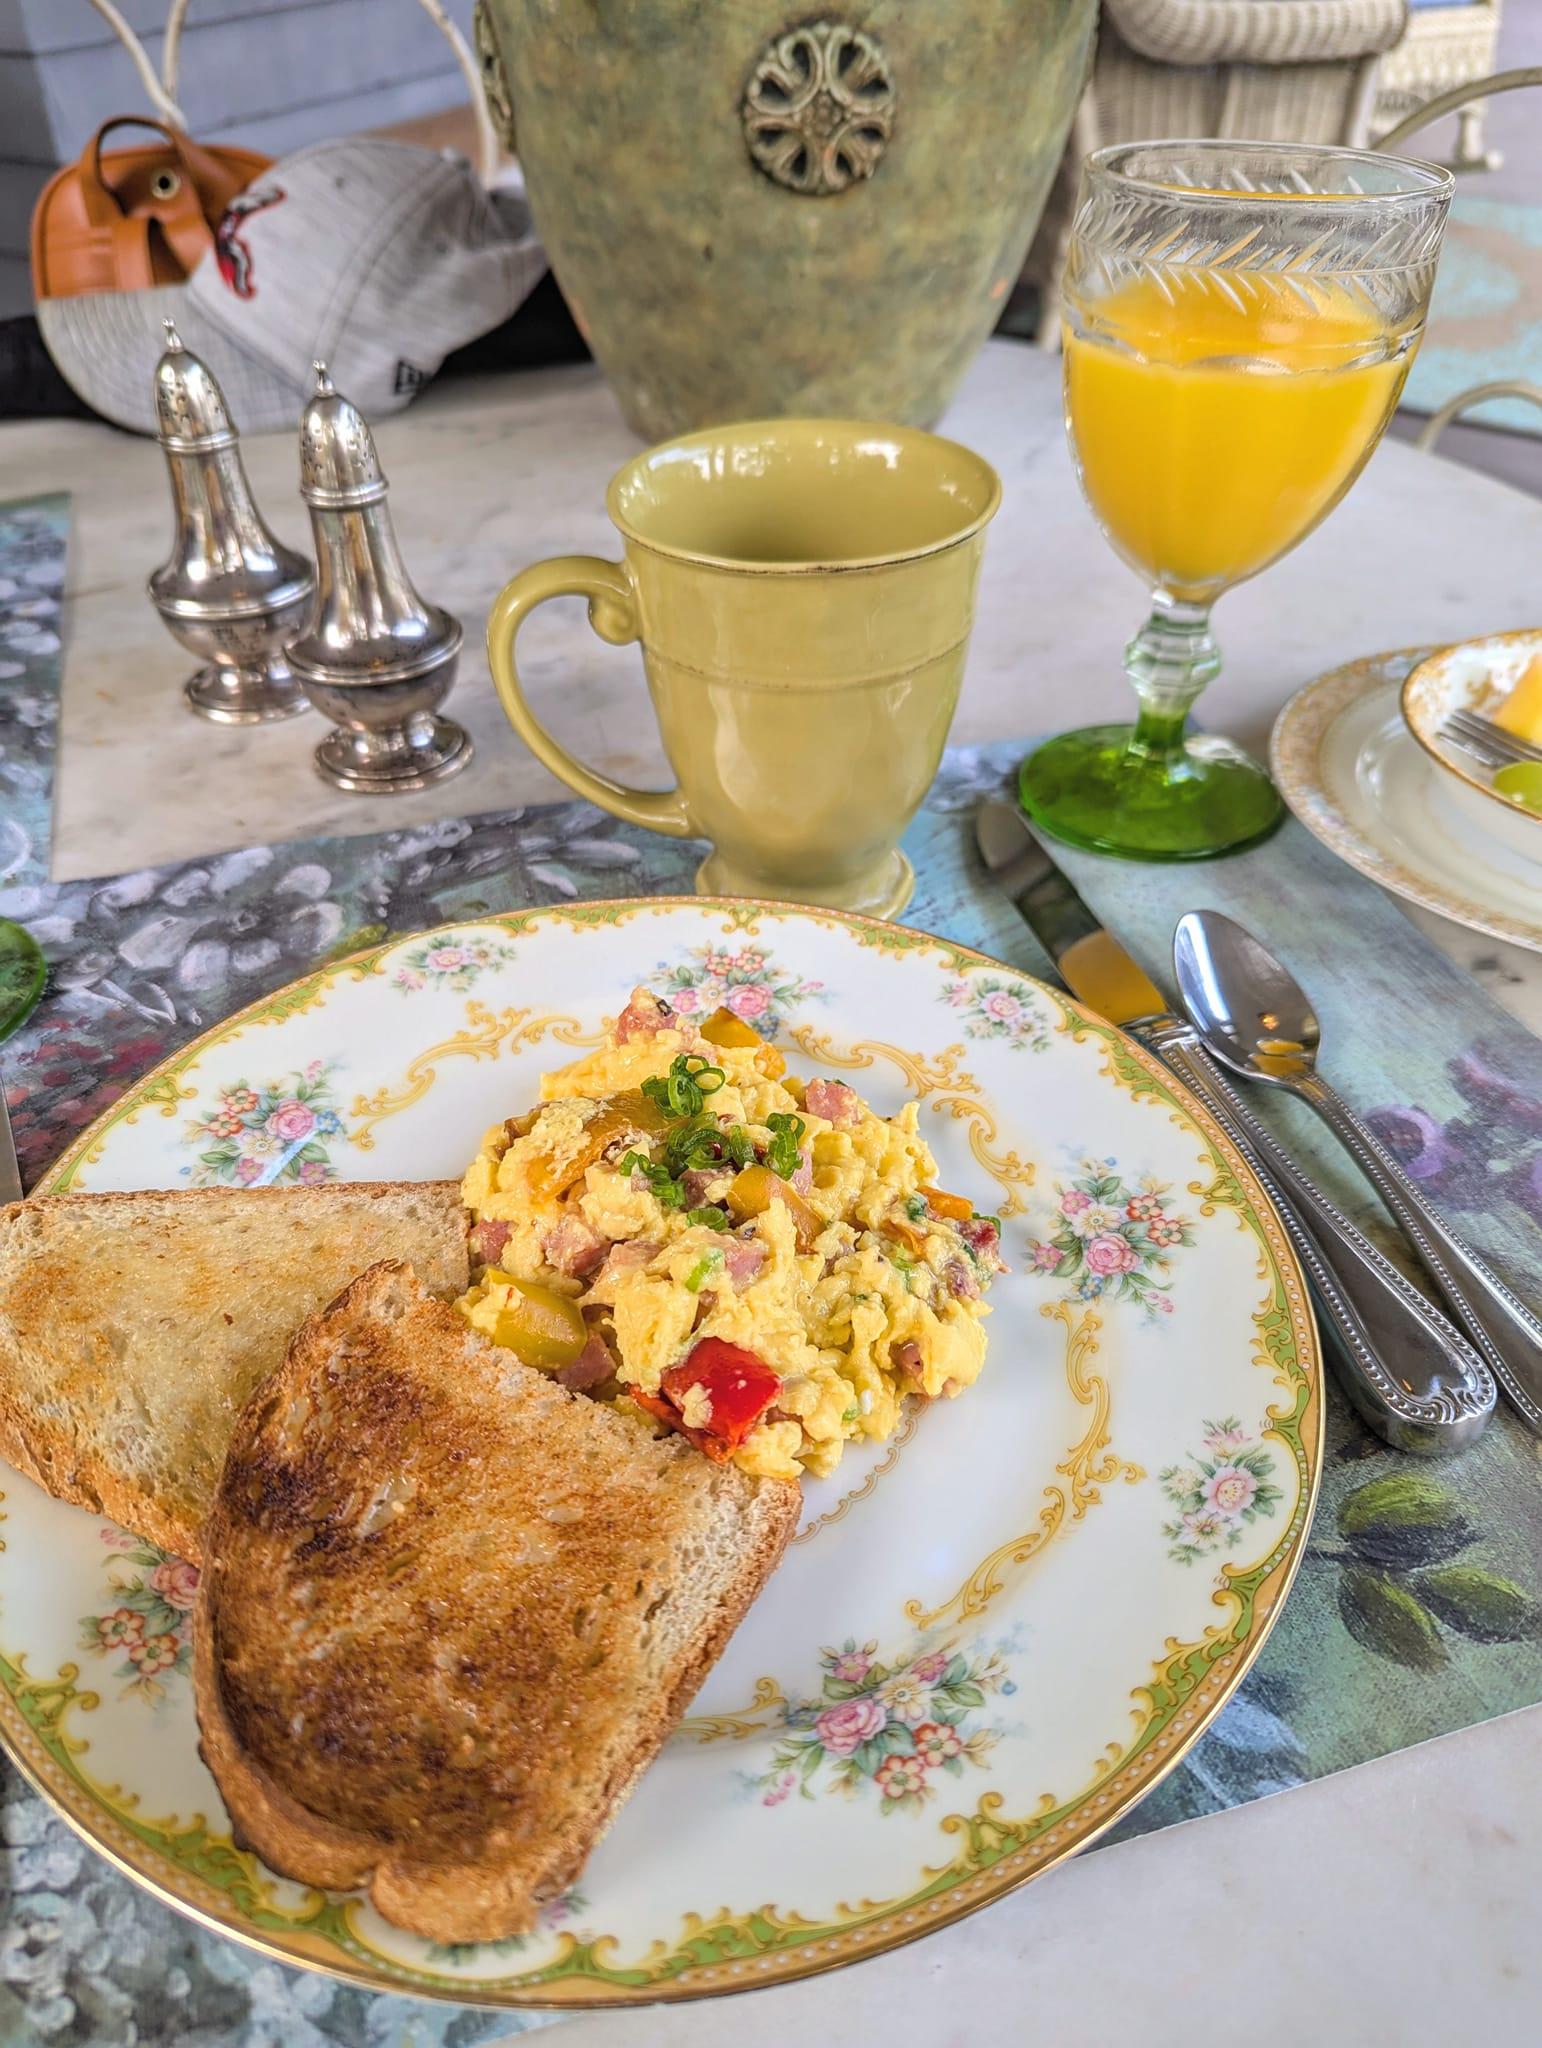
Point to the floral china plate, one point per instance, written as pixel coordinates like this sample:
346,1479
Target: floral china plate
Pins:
991,1634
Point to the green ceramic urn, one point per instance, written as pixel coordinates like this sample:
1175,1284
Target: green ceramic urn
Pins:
754,209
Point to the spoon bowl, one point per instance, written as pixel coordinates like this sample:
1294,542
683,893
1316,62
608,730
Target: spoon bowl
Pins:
1255,1018
1254,1015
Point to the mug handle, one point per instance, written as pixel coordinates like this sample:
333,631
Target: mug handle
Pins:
613,615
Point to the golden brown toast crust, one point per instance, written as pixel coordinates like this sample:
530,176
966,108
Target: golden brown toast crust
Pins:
450,1611
133,1327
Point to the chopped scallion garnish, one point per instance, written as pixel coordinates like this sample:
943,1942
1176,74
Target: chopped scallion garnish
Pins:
669,1191
714,1219
784,1155
684,1089
702,1143
708,1264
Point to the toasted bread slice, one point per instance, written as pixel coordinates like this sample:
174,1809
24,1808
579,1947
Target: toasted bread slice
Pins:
134,1327
449,1611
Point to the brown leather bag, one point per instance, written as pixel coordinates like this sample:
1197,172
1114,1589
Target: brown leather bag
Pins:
127,218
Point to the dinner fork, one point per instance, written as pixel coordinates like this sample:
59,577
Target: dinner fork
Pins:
1490,743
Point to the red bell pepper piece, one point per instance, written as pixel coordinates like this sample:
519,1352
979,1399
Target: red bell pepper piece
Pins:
740,1387
666,1412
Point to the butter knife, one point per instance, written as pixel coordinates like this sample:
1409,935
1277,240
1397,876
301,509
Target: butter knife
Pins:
10,1168
1408,1371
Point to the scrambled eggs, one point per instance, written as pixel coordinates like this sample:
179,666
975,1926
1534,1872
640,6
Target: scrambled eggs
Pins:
757,1261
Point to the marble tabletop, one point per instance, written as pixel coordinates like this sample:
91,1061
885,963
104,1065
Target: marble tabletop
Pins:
1178,1928
1388,1907
489,474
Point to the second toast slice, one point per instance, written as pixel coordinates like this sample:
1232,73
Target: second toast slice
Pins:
450,1611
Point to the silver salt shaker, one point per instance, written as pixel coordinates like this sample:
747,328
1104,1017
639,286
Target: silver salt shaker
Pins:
230,591
375,656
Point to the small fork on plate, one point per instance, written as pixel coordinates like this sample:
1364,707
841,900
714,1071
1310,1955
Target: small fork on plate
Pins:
1486,741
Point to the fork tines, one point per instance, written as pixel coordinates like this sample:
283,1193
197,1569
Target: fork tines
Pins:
1488,742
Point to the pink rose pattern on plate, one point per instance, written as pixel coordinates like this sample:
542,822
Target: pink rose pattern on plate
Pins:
889,1727
843,1728
744,979
994,1008
1112,1241
458,966
1219,1492
256,1137
147,1623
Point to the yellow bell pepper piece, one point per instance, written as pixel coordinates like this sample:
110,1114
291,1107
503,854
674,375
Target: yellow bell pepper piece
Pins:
628,1115
724,1028
754,1188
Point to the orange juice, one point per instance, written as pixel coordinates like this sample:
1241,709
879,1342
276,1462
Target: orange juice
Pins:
1216,427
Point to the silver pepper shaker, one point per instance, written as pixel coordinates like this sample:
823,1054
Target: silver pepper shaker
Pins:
375,656
229,591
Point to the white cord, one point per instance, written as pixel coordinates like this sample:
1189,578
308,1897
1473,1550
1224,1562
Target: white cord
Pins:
162,91
171,49
160,97
489,150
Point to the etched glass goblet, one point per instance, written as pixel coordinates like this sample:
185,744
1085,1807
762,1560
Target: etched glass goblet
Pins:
1238,322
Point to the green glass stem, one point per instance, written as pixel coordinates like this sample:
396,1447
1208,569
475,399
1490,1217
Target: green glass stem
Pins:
1171,659
1149,791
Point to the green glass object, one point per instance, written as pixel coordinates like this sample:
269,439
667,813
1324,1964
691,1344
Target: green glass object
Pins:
1238,321
22,973
1152,791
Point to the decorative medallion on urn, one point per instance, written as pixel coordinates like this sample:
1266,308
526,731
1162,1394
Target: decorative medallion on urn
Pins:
375,656
230,591
819,108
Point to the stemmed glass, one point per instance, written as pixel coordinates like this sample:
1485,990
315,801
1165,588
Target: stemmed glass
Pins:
1238,321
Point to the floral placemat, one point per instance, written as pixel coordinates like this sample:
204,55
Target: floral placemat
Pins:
1419,1608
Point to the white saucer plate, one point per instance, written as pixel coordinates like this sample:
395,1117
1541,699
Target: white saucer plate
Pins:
1352,772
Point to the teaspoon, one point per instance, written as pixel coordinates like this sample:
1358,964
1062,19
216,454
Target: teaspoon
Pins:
1255,1018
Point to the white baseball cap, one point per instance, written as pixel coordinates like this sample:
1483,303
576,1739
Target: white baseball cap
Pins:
379,257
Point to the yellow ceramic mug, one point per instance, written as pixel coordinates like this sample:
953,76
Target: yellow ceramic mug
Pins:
803,591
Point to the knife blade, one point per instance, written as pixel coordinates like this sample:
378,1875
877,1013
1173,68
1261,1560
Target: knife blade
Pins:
1089,959
10,1166
1412,1375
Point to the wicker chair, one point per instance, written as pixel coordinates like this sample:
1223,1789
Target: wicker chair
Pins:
1269,70
1445,46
